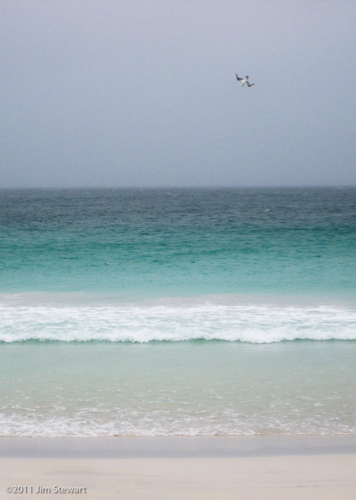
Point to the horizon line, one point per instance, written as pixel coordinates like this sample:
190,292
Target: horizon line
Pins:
272,186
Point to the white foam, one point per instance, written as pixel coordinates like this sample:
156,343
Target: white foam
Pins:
236,425
174,321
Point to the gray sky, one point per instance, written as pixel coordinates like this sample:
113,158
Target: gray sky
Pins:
143,93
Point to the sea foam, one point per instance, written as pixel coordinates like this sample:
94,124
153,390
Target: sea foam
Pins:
175,321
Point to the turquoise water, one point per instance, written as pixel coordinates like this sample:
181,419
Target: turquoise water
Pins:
183,311
179,242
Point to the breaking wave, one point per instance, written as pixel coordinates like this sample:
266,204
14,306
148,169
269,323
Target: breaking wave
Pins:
175,322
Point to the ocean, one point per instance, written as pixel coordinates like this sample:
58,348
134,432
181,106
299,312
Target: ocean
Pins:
144,312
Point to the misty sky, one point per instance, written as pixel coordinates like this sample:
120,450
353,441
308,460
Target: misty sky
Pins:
143,93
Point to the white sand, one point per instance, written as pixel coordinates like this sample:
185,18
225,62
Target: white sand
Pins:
316,477
165,468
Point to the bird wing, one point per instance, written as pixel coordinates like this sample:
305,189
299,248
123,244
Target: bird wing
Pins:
239,79
250,84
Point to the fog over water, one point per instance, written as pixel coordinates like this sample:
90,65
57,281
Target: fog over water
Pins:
125,94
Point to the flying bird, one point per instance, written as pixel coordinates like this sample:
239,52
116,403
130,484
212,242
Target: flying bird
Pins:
244,80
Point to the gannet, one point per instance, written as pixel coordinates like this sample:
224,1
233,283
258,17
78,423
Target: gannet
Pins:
244,80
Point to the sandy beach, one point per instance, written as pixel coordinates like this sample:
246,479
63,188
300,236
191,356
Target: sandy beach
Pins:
295,467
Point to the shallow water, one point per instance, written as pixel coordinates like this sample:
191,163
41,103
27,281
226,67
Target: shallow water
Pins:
181,388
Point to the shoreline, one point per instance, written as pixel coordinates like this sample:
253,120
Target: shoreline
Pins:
122,447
